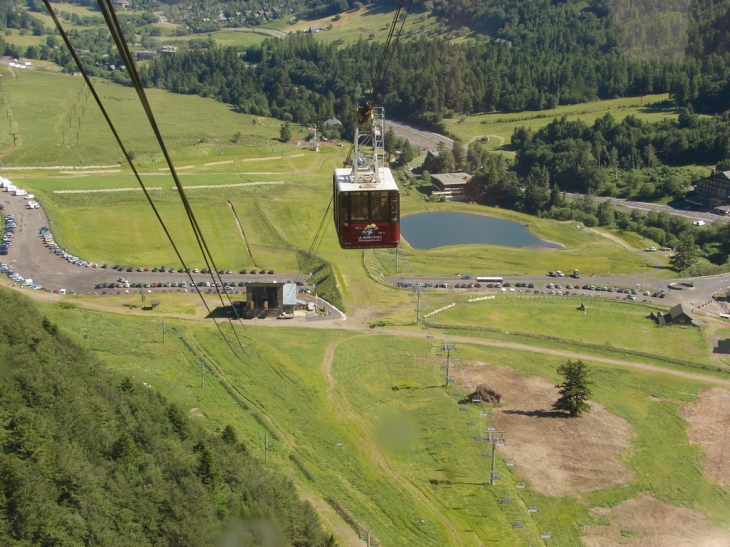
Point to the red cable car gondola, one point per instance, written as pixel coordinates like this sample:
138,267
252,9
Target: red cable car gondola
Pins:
367,201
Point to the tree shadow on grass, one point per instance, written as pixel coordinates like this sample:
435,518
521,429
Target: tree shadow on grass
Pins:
540,413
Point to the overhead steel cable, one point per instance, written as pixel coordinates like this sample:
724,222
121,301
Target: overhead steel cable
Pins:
114,26
104,112
382,63
319,234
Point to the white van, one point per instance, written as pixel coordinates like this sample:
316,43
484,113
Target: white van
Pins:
62,291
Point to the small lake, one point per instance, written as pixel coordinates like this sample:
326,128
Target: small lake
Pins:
441,229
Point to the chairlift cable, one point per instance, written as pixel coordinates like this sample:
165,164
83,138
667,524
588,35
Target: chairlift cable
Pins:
319,234
99,103
92,89
118,36
384,62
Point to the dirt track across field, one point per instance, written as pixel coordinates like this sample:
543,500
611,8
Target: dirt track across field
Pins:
557,455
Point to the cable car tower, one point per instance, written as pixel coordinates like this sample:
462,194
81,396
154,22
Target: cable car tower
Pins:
367,201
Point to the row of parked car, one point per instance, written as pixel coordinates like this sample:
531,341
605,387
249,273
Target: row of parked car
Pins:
619,290
45,234
8,186
124,284
163,269
8,233
18,278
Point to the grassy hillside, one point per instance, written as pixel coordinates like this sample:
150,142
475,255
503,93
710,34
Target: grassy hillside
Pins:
91,456
366,415
279,191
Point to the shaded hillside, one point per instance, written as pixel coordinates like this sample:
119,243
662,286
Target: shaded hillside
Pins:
90,458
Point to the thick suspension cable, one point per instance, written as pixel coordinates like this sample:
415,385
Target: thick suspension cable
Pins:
118,36
99,103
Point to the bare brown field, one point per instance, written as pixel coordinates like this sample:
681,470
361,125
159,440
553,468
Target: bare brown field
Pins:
647,522
709,419
558,456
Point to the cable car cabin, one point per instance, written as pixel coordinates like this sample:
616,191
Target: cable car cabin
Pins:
367,214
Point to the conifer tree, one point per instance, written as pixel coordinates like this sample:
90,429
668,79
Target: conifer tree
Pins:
574,390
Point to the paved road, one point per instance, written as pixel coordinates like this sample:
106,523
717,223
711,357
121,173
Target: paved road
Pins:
258,30
32,259
628,204
418,137
704,287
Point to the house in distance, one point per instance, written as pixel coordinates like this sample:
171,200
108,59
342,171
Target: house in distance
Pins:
450,185
678,315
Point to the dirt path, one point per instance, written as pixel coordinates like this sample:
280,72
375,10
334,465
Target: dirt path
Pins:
566,353
658,266
342,405
354,326
499,137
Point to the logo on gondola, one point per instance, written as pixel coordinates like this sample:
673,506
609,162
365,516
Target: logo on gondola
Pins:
369,229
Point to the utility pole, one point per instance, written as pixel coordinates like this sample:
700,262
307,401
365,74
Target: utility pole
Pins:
15,138
418,306
494,438
164,330
397,267
153,157
644,282
267,445
202,374
448,348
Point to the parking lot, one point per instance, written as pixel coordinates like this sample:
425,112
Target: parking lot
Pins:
34,256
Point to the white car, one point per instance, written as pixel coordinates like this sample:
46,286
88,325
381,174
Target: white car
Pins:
699,223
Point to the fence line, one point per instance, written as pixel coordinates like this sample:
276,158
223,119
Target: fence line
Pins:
584,344
303,466
492,297
434,312
232,391
362,533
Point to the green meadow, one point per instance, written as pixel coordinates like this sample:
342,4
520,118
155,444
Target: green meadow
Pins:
621,325
279,191
367,416
369,23
363,411
503,124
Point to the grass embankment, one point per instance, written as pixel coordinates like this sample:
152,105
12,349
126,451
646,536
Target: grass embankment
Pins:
401,460
503,124
583,249
614,324
224,38
373,22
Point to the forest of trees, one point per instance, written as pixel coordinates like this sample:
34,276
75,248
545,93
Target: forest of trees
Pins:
92,458
495,183
607,157
522,56
427,80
